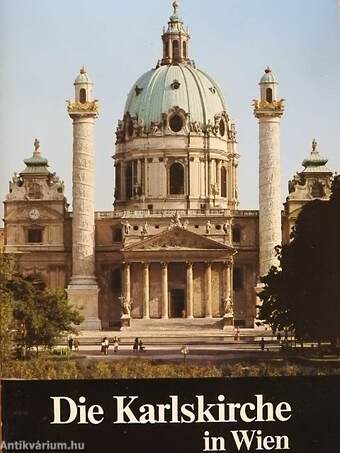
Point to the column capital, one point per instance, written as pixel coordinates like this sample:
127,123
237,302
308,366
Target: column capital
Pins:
189,263
228,263
164,264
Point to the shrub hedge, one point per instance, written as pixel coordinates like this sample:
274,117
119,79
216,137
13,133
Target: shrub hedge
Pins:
42,368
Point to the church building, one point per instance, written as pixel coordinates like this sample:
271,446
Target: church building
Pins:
176,243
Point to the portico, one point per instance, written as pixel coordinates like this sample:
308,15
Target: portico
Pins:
177,274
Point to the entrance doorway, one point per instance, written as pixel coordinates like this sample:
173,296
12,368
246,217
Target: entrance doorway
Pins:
177,303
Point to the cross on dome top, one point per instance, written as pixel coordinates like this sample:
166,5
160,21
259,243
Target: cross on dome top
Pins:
314,162
175,6
36,151
314,146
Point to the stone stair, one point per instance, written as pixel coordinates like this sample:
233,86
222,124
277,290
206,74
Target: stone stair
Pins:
177,324
177,331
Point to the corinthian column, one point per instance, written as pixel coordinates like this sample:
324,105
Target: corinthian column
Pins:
146,291
83,289
228,295
208,302
127,282
165,302
190,291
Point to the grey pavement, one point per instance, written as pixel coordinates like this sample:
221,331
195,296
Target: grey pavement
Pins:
196,352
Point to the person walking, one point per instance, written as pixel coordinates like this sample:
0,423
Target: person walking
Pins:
141,346
262,344
76,344
105,345
115,344
70,343
135,345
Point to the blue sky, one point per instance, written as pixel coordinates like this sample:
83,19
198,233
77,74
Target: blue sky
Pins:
43,43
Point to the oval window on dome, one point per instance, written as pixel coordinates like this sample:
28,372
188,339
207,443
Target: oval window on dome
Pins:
222,128
176,123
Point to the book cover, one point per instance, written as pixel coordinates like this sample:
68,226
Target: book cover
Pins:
169,266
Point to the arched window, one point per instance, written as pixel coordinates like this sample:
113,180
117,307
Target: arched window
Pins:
236,235
128,181
185,49
130,128
317,190
82,95
175,50
176,179
118,182
269,95
222,128
223,182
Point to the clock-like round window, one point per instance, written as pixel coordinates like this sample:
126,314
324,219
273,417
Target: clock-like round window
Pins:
176,123
222,128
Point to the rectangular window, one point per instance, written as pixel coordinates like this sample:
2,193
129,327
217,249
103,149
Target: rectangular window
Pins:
34,236
238,278
117,235
236,235
116,282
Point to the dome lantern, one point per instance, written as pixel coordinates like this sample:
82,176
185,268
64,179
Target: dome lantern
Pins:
268,86
314,162
83,86
175,40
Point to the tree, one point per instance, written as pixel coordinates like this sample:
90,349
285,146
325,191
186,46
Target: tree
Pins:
6,307
44,318
304,293
6,322
37,316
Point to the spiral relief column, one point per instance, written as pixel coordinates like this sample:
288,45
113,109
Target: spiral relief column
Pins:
83,289
269,112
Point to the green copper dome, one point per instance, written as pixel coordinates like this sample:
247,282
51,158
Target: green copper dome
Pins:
268,76
175,85
36,164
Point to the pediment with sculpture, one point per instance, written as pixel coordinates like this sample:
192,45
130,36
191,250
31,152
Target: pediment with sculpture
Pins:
178,239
